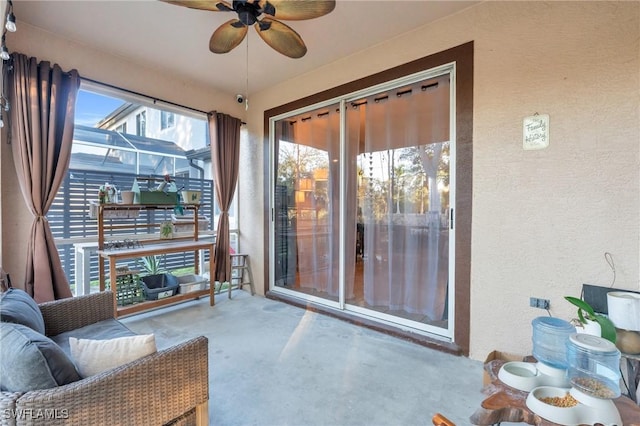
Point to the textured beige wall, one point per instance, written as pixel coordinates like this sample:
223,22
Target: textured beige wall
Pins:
542,220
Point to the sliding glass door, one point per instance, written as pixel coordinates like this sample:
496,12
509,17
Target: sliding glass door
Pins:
367,179
307,203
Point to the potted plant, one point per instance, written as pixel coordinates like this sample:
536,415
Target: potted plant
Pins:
151,265
157,284
586,314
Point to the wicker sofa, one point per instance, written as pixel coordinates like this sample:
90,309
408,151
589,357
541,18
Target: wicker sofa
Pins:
169,387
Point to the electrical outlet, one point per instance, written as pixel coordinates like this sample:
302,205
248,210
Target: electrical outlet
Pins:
535,302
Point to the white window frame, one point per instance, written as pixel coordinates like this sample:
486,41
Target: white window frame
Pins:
343,100
141,123
167,120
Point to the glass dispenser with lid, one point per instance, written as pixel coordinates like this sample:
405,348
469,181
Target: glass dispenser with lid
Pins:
594,366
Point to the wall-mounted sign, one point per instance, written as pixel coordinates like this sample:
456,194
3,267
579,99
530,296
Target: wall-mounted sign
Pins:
535,131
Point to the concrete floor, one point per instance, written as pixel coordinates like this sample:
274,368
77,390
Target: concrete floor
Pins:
274,364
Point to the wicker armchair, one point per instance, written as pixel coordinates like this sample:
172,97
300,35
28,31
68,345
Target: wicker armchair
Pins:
168,387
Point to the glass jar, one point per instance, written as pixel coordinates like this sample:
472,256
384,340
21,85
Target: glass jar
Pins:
594,366
550,337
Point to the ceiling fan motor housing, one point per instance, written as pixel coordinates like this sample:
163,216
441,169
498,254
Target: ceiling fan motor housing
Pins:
247,12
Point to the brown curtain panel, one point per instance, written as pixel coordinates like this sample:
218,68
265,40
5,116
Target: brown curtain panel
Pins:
224,132
43,100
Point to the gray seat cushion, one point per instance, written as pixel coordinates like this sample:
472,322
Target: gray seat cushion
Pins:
103,330
18,307
30,360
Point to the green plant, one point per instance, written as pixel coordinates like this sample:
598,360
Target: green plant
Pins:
166,230
151,265
586,312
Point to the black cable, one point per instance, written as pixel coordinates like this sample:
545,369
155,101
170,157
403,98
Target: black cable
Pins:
625,383
608,257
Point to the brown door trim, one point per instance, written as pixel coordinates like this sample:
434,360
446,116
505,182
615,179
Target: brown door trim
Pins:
463,57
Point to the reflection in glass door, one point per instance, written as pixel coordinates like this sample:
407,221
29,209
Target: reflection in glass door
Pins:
307,203
397,185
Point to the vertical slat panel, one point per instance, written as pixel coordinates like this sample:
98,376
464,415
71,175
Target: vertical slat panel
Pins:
69,214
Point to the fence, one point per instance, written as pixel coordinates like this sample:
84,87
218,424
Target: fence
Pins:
72,227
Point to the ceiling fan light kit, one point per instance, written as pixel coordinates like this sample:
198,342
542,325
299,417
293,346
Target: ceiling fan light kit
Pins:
265,16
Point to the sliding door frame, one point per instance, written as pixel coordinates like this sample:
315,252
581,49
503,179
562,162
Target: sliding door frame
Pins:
462,57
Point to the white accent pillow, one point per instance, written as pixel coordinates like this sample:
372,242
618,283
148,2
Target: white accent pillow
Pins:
95,356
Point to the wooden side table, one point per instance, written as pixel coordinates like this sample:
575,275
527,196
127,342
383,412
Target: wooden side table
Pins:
506,404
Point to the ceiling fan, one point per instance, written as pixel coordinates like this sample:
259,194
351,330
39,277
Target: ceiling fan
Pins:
264,15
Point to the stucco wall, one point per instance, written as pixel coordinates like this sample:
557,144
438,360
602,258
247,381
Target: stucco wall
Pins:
542,220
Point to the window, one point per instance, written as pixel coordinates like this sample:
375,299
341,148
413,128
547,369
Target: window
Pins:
103,151
167,120
141,124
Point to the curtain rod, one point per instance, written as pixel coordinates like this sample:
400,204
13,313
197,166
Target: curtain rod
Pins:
154,99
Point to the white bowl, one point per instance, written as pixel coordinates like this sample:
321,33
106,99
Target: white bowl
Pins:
561,415
519,375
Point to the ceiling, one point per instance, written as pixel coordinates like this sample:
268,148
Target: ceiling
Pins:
175,39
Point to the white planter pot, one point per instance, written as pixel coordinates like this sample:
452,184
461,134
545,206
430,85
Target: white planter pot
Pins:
591,327
624,310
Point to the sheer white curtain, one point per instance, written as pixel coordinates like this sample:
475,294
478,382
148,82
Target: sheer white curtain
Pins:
437,238
405,243
317,241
